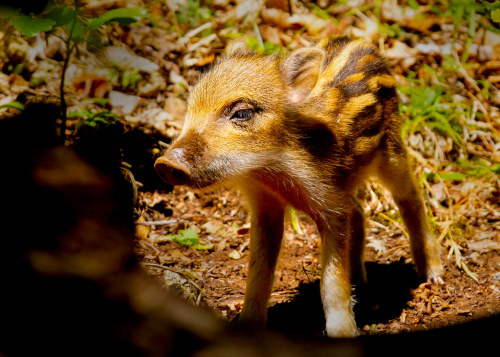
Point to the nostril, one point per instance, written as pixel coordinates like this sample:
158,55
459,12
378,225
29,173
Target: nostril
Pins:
162,174
179,175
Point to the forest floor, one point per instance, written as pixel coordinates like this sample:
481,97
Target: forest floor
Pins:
445,57
397,301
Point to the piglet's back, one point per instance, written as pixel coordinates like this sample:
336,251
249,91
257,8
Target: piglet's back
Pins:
355,94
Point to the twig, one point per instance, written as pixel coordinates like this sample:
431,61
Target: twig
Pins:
186,275
62,132
378,224
258,36
397,224
459,261
70,47
305,271
464,73
185,39
159,266
202,42
157,223
405,245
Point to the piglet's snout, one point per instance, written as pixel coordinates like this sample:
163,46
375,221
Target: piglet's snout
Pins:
171,168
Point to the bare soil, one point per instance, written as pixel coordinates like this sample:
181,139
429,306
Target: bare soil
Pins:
396,300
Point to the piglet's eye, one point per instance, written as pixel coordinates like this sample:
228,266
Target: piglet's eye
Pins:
243,114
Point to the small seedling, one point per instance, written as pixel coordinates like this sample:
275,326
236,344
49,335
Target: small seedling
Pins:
77,29
188,238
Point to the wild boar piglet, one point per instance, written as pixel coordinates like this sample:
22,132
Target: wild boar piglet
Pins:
305,130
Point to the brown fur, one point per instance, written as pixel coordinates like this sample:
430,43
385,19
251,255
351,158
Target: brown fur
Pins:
306,131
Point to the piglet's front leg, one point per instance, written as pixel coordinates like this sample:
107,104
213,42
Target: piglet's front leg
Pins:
265,244
335,283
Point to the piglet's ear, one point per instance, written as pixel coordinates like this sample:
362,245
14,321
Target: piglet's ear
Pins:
301,70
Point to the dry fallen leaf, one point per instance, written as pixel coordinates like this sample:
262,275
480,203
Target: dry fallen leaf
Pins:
279,4
178,255
127,103
89,85
235,254
276,17
271,34
142,232
248,10
403,52
313,23
212,227
16,80
484,245
127,59
206,60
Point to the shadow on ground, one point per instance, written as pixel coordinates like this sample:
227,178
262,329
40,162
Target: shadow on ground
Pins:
387,294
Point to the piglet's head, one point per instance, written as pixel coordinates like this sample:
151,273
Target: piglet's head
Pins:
236,118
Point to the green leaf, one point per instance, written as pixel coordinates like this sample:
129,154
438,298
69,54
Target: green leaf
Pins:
100,101
31,26
231,35
491,5
252,43
413,4
459,13
78,30
14,104
104,117
271,48
62,16
495,169
130,78
193,13
84,113
294,218
124,16
495,15
187,237
18,68
7,12
36,81
203,247
452,176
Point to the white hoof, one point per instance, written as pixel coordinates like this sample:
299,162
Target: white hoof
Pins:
341,324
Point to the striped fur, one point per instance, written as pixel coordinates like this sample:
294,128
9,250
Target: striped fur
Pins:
358,80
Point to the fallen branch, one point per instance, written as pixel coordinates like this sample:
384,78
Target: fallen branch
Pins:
157,223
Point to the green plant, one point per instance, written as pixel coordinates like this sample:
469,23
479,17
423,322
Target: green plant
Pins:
193,13
493,9
264,47
77,30
126,77
465,11
392,30
323,13
467,168
187,237
431,106
14,105
258,45
93,119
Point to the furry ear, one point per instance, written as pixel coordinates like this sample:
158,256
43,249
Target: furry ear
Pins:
301,70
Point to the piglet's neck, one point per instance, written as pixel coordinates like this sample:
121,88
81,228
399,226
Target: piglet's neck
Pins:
293,183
